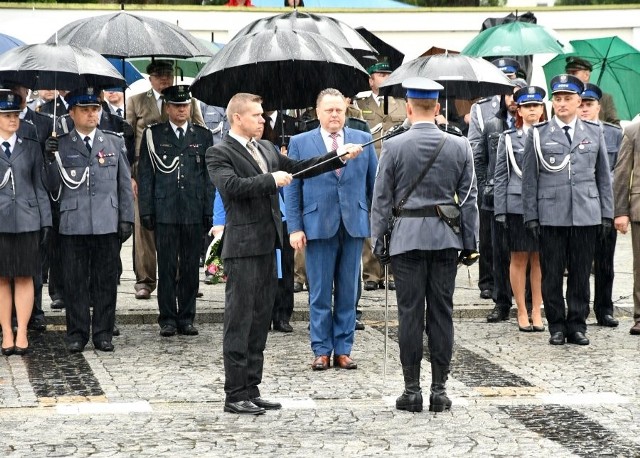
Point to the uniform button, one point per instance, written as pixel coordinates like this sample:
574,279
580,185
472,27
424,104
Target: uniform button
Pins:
93,194
573,173
93,173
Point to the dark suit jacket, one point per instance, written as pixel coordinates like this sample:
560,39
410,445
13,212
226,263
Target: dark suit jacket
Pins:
60,107
43,124
254,226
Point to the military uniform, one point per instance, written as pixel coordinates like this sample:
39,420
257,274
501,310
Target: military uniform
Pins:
175,190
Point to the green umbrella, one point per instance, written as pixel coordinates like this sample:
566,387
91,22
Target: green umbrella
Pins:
183,67
515,39
616,70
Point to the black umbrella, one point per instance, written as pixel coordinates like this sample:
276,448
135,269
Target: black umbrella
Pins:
463,77
394,56
286,68
47,66
335,31
126,35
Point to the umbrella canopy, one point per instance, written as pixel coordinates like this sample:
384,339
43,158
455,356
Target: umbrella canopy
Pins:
616,70
335,31
8,42
394,56
516,39
123,34
183,67
126,69
286,68
463,77
47,66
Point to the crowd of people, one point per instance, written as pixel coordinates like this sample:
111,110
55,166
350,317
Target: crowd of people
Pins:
299,201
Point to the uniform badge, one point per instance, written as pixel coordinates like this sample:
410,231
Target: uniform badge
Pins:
563,78
74,138
552,160
581,146
164,157
100,139
73,173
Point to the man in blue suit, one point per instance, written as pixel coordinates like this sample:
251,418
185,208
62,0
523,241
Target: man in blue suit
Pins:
329,214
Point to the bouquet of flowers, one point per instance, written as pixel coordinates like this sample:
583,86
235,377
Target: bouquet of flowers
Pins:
213,261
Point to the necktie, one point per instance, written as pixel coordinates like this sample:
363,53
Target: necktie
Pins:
512,123
180,131
257,156
87,143
566,133
7,149
119,112
334,146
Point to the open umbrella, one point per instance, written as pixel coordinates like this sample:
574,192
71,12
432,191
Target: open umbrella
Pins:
616,70
8,42
183,67
286,68
126,69
331,29
393,55
48,66
516,39
126,35
463,77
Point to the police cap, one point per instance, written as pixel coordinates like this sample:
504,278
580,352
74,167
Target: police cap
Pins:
84,97
9,101
177,95
162,67
419,87
567,83
591,92
530,95
577,63
507,65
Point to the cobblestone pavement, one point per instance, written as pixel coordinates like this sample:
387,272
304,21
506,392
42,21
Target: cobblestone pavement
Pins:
513,394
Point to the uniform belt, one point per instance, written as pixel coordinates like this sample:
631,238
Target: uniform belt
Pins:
418,213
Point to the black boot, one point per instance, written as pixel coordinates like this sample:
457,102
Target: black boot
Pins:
438,400
411,398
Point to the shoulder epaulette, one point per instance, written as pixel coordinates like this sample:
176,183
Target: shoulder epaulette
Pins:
593,123
486,99
62,134
610,124
46,115
28,121
195,124
154,124
110,132
450,129
510,131
541,123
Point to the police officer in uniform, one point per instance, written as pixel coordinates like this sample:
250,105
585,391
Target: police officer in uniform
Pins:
176,200
568,202
605,248
88,170
423,249
582,68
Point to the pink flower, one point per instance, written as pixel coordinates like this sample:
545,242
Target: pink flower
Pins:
212,269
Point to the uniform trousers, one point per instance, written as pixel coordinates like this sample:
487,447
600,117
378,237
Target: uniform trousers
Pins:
572,248
90,278
485,263
178,255
603,269
283,306
425,279
144,254
56,274
501,259
249,294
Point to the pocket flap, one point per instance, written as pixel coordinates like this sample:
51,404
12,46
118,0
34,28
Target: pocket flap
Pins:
593,192
32,202
68,204
114,202
363,205
547,193
310,208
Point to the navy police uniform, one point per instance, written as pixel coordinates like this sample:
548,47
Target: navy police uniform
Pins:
176,199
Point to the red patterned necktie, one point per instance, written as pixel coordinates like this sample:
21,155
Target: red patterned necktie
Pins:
334,147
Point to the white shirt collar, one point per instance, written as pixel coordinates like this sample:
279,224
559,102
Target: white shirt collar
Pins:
12,142
175,128
91,136
242,140
571,124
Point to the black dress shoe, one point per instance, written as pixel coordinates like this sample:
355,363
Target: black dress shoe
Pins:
608,321
391,286
499,313
20,351
525,328
297,287
103,345
8,351
243,407
557,338
359,325
57,304
199,294
370,285
486,294
578,338
168,330
116,331
267,405
187,330
282,326
75,347
37,323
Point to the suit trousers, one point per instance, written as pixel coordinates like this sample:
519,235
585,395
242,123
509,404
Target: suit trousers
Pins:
283,306
144,254
485,263
501,259
571,248
635,248
56,271
425,279
333,269
90,278
299,269
249,295
603,269
178,248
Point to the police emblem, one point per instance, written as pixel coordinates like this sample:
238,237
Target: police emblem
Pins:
563,78
10,98
531,90
89,91
552,160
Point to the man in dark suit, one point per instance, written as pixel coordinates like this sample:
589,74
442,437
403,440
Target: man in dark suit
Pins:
248,174
175,196
57,106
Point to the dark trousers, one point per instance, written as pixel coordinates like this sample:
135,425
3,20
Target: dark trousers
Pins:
283,306
603,269
90,278
249,296
425,278
501,259
56,269
571,248
485,263
178,254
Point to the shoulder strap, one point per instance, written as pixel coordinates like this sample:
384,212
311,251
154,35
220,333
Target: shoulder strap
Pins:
415,183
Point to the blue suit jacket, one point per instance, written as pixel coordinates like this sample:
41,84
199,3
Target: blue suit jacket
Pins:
317,205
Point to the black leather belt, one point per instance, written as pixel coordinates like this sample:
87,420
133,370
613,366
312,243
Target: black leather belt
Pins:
419,213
